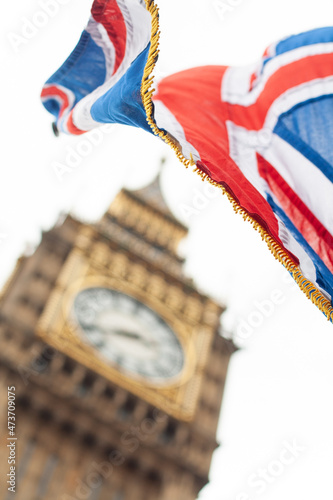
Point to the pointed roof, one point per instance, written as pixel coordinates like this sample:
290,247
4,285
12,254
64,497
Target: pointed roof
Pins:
152,195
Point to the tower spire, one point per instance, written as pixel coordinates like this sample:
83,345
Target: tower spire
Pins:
152,194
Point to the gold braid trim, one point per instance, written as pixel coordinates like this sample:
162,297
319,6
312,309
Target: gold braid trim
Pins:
279,253
147,81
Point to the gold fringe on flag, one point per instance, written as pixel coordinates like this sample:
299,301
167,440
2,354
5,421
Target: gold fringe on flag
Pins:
279,253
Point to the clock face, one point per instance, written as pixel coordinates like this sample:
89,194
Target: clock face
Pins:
128,334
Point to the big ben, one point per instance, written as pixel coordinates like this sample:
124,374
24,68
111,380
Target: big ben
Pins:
117,361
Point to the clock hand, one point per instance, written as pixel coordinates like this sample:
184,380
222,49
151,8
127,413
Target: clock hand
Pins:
124,333
121,333
135,336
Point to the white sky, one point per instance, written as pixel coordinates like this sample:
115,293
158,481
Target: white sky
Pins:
280,384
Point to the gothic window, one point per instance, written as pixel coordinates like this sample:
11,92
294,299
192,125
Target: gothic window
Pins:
109,392
68,366
126,410
168,433
86,384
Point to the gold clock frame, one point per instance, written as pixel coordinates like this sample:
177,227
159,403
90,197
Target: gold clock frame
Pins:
106,267
173,324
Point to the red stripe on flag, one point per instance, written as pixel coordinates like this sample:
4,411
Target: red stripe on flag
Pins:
110,16
320,240
73,128
252,80
289,76
54,91
194,98
266,52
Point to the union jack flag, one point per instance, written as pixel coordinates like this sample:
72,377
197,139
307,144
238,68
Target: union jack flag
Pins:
263,133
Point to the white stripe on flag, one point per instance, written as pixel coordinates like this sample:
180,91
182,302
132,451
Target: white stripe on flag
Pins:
296,95
308,182
139,37
101,38
166,120
243,145
234,92
236,82
305,263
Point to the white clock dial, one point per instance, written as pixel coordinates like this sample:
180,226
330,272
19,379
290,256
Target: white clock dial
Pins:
128,333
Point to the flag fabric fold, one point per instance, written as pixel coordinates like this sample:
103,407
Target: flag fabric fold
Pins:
262,133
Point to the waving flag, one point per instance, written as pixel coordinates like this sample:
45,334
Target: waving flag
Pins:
262,133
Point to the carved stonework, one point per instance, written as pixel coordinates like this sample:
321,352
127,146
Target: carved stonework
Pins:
87,426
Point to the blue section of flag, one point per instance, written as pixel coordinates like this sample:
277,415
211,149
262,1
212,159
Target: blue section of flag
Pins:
324,277
117,39
82,72
122,103
52,106
319,35
308,127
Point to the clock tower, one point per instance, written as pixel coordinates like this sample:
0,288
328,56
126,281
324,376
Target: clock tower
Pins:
116,362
